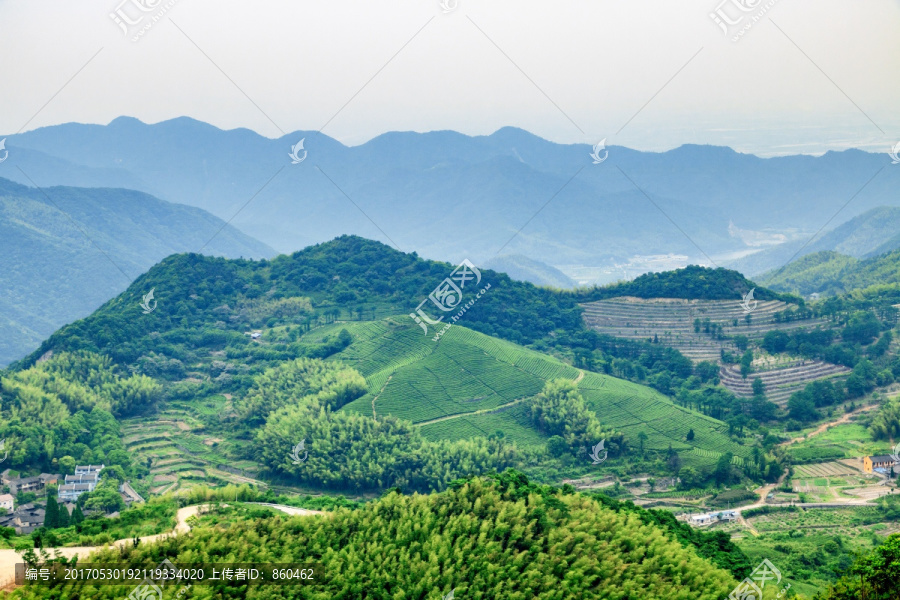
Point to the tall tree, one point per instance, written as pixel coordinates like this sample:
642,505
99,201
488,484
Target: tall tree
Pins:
51,514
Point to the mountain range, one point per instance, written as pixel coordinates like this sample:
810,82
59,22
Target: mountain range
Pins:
451,196
874,232
64,251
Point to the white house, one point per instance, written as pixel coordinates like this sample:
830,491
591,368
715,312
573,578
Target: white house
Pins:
85,469
6,501
85,479
701,519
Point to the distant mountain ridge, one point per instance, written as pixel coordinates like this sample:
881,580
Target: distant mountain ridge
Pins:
64,251
447,195
872,233
533,271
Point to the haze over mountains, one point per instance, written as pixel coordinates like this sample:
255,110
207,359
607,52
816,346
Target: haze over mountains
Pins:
874,232
481,190
64,251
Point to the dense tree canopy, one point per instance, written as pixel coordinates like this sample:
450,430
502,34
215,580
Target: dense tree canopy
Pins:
484,538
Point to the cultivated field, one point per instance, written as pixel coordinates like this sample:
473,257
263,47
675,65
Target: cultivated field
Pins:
780,381
672,320
837,481
469,384
179,454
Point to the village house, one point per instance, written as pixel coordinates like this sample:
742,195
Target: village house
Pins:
6,501
88,469
700,519
881,463
710,518
25,519
34,484
85,479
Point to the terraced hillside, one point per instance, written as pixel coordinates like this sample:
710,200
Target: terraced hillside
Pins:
780,382
179,454
469,384
672,321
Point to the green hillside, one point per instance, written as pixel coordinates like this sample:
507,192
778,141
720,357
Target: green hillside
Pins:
470,384
463,405
833,273
346,279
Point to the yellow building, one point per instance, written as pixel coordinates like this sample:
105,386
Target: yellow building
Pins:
882,462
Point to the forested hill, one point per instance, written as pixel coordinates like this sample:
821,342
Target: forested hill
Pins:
349,277
691,282
498,537
835,273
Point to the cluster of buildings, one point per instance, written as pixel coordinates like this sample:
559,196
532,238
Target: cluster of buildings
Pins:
710,518
27,517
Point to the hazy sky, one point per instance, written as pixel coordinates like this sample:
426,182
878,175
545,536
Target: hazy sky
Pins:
808,76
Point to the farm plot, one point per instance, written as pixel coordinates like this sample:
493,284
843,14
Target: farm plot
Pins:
177,457
847,441
419,380
836,481
672,321
833,469
632,408
782,381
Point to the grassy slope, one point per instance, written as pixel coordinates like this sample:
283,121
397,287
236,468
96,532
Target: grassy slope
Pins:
467,374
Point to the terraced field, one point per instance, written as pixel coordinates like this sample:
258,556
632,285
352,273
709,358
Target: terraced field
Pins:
179,454
469,384
782,381
672,320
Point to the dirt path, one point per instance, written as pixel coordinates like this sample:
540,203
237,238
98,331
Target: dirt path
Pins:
380,392
576,381
825,426
9,558
470,414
